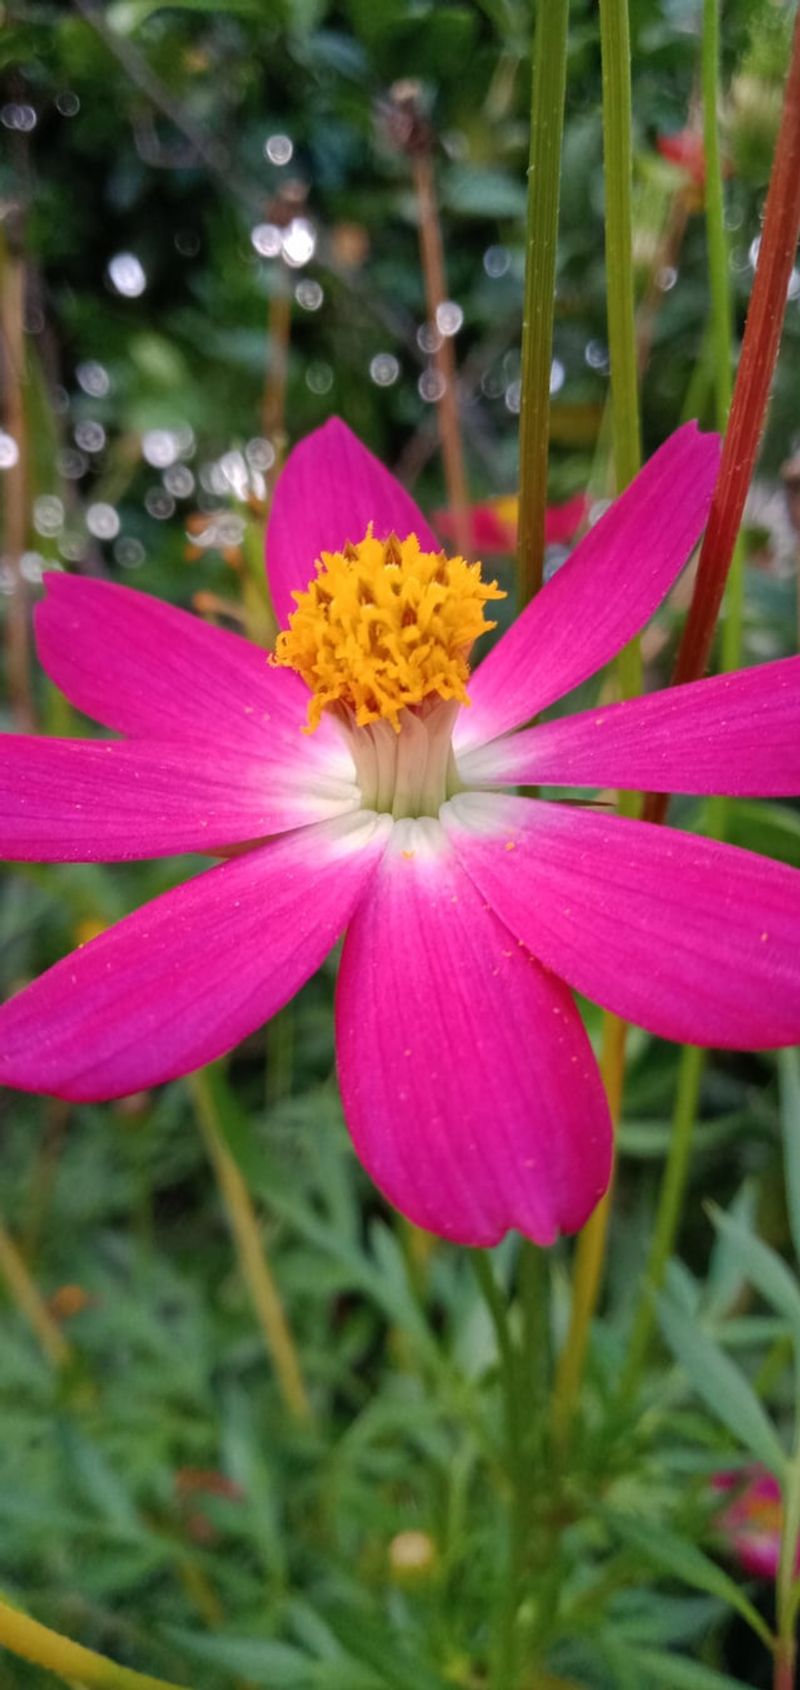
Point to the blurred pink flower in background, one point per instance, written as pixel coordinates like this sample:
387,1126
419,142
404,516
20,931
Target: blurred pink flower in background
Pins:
752,1521
685,148
492,526
467,1078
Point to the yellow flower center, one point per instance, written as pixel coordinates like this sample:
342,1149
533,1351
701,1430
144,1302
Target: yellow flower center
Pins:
383,627
765,1513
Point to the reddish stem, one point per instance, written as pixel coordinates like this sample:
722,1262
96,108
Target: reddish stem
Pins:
784,1674
433,267
750,395
273,403
15,522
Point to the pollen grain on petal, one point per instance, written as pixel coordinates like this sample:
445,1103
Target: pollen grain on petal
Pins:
384,626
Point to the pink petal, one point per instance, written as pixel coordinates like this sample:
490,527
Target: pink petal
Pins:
696,941
752,1521
736,734
603,596
468,1083
329,491
144,668
111,801
758,1552
185,978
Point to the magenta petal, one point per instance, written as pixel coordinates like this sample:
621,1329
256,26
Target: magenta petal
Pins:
696,941
468,1083
606,592
112,801
737,734
143,668
185,978
752,1520
330,490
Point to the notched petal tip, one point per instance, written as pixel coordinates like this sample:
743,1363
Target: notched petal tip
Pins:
468,1083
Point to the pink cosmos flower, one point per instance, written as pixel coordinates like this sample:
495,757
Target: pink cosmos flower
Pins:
686,149
752,1521
468,1082
493,524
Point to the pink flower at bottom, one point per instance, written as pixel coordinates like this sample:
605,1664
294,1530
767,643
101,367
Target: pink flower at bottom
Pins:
752,1521
468,1082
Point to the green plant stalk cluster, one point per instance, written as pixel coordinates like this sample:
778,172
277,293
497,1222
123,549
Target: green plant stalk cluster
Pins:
693,1060
618,154
541,238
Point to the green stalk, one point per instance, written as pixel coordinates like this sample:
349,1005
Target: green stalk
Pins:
523,1369
615,46
692,1062
721,307
618,152
505,1640
668,1214
716,240
37,1643
25,1293
544,173
762,335
498,1314
207,1096
786,1588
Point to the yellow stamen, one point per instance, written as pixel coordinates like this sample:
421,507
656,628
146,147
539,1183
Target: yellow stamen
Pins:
384,626
763,1512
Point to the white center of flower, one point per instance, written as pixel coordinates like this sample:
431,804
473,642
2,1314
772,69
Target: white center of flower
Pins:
409,770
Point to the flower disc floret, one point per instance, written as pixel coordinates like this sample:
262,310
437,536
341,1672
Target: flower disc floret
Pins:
384,626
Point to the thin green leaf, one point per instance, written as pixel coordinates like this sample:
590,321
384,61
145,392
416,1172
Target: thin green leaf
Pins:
677,1672
789,1071
264,1661
685,1561
763,1267
722,1386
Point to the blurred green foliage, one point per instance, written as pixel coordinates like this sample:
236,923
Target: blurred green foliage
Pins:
154,1498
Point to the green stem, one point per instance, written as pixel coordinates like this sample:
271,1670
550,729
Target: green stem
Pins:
280,1054
498,1314
544,172
722,330
505,1650
668,1214
692,1062
25,1293
615,47
702,381
762,334
253,1264
716,240
618,150
535,1345
617,127
524,1368
45,1648
786,1603
590,1255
